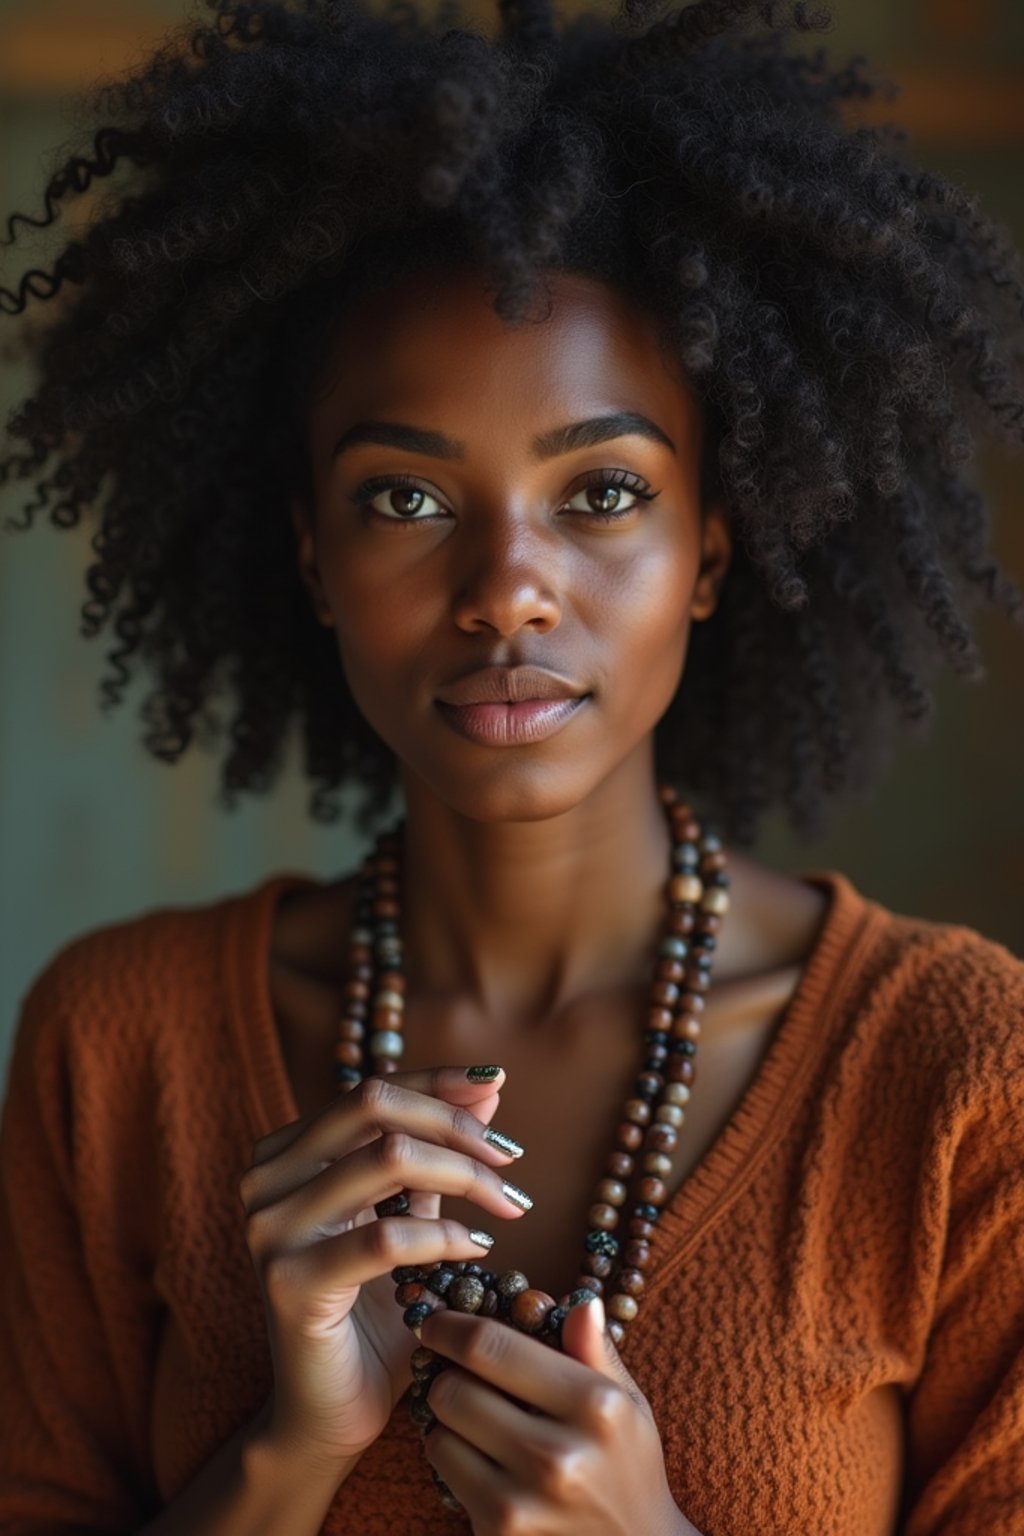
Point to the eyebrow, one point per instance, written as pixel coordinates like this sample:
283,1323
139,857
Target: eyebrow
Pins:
548,445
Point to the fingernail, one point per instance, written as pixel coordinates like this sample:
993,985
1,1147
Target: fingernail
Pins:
502,1142
482,1239
482,1074
517,1196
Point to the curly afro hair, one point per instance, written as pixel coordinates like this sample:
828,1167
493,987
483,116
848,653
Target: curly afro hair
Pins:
851,323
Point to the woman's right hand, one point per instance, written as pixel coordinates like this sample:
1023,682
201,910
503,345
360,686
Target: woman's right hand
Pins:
339,1346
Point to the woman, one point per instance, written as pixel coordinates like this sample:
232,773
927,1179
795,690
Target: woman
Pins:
567,429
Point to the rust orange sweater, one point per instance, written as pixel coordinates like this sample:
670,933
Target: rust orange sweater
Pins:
833,1340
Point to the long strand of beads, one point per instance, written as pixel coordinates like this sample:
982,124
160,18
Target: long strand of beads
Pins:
697,899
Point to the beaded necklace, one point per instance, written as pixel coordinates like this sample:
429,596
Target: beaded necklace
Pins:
697,898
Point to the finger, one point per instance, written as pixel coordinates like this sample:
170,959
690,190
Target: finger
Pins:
377,1105
391,1162
449,1083
495,1425
479,1484
538,1375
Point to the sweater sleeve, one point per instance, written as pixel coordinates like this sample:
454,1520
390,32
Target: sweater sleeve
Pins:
74,1321
965,1421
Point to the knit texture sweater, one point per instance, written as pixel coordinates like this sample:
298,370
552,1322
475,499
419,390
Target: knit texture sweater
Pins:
831,1340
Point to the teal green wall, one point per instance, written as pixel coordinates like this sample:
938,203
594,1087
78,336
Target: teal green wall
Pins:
92,830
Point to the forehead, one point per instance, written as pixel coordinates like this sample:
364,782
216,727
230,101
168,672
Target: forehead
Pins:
432,341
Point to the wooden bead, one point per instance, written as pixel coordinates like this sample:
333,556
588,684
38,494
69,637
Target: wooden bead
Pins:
685,888
665,992
640,1227
422,1358
629,1136
612,1191
710,922
589,1283
670,970
676,1093
661,1137
386,909
681,921
361,955
652,1191
691,1002
408,1293
715,860
620,1165
658,1164
680,1069
621,1307
631,1282
356,1010
598,1264
667,794
637,1110
698,982
385,1019
604,1216
686,1027
530,1308
392,981
660,1018
637,1253
669,1114
351,1029
387,1066
616,1332
359,991
715,900
349,1053
386,999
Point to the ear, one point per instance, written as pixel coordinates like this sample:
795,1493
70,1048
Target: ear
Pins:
302,523
715,555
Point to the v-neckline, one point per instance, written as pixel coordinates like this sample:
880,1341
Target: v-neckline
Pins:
849,925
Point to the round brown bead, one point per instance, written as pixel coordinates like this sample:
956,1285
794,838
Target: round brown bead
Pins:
388,1018
658,1164
660,1018
691,1002
697,981
620,1165
714,860
352,1029
604,1216
355,1010
638,1226
668,969
687,1027
680,1069
511,1282
529,1310
406,1294
652,1191
616,1332
637,1110
590,1283
598,1264
665,992
629,1136
680,922
661,1137
612,1191
391,981
349,1053
359,991
489,1305
637,1253
360,955
386,909
710,922
621,1307
387,1066
465,1293
631,1282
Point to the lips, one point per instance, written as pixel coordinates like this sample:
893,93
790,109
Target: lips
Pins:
509,685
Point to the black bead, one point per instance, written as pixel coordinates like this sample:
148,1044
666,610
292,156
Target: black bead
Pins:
656,1037
343,1074
582,1296
684,1047
719,877
655,1063
646,1212
439,1280
406,1272
685,856
416,1313
474,1269
385,928
646,1088
555,1318
598,1241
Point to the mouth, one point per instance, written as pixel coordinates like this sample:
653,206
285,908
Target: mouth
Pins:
508,724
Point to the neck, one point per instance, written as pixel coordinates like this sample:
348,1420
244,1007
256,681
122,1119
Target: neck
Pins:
515,920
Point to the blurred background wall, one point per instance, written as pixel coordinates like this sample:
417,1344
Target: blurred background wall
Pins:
92,830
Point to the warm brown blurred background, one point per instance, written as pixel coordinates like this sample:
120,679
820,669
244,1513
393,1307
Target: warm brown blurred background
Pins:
92,830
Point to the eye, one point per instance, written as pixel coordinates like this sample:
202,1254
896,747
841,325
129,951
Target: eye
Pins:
610,486
406,499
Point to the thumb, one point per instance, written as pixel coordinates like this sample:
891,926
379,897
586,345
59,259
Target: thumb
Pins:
585,1339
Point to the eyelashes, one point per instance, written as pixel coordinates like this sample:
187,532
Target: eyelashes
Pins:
618,479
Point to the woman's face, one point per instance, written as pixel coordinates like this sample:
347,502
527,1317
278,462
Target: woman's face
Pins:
462,520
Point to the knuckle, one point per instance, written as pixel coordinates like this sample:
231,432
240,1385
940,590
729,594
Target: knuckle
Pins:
279,1279
259,1227
513,1516
375,1095
394,1150
464,1125
385,1239
603,1405
248,1187
557,1474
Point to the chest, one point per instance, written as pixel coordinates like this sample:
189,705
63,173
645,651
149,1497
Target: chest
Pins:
563,1101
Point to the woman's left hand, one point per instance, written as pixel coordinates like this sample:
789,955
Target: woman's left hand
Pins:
533,1439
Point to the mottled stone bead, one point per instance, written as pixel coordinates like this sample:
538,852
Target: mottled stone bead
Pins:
511,1283
621,1307
611,1191
422,1360
556,1317
620,1165
403,1272
349,1053
530,1309
489,1304
638,1111
653,1191
413,1316
394,1205
629,1136
601,1242
685,888
584,1294
408,1293
602,1215
657,1163
661,1137
598,1264
630,1282
465,1293
439,1280
616,1332
637,1253
421,1413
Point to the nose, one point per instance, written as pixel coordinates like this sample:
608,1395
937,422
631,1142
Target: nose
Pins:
504,579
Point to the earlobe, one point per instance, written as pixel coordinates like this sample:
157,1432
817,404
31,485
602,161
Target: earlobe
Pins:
716,553
302,524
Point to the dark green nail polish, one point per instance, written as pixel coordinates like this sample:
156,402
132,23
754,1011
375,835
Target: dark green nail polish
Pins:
482,1074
